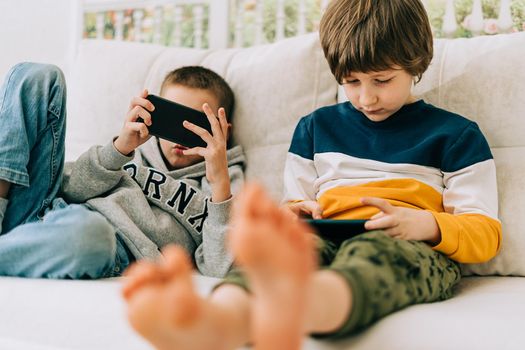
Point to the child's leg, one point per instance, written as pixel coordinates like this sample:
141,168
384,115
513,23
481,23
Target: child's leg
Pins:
388,274
289,298
70,242
326,252
32,131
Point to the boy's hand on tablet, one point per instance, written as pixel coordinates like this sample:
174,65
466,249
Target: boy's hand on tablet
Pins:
403,223
306,208
135,132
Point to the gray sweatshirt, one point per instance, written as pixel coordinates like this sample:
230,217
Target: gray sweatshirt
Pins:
151,206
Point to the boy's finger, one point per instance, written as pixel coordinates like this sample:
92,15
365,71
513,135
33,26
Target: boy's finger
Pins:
315,211
223,121
214,121
385,222
203,133
139,112
379,203
377,216
143,102
200,151
140,128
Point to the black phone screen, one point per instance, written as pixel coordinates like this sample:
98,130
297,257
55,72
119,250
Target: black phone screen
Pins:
337,230
167,121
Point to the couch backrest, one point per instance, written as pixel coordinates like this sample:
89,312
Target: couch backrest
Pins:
481,78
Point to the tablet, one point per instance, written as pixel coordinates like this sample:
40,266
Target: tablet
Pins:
337,229
167,121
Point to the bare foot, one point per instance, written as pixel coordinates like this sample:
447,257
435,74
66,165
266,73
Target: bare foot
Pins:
164,308
278,257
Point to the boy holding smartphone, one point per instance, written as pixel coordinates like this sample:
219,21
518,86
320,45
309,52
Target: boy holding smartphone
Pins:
119,202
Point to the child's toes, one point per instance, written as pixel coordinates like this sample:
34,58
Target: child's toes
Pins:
138,275
176,260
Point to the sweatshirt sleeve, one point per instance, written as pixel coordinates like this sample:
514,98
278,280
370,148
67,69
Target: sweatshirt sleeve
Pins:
470,228
468,238
212,256
299,170
94,173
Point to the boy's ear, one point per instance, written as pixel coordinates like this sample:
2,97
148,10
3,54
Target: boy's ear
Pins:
229,131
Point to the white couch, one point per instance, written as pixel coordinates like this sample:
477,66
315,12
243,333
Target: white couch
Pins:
481,78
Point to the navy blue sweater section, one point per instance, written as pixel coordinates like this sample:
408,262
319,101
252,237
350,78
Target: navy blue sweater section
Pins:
418,133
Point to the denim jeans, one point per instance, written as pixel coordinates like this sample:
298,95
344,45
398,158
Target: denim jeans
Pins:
42,236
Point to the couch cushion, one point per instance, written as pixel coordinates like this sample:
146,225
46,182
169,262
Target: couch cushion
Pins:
485,313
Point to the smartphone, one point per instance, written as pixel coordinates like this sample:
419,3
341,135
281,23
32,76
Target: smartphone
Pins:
167,118
337,230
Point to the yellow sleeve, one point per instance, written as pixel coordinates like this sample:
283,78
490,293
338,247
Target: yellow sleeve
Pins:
468,238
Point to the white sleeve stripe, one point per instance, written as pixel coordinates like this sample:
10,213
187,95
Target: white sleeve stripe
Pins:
472,190
299,177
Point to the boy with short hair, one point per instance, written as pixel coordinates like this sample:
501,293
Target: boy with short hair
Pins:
423,178
120,202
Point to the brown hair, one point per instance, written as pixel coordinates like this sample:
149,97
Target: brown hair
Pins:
198,77
375,35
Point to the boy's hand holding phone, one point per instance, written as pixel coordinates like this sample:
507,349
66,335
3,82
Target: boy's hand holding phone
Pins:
403,223
306,208
214,153
169,123
135,132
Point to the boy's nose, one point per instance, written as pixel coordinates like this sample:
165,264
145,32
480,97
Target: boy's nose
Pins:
367,99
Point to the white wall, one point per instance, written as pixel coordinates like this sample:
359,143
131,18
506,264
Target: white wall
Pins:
35,30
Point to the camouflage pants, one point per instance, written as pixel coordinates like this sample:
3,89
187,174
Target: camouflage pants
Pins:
384,274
